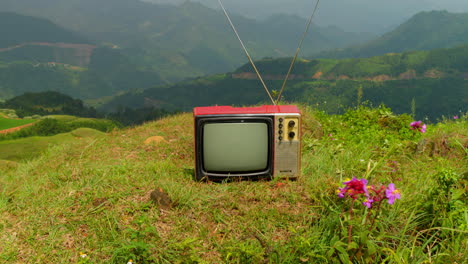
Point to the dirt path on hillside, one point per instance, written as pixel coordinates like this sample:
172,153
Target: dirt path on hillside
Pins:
14,129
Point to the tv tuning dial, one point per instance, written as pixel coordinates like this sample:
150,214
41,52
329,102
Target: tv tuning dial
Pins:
292,134
291,123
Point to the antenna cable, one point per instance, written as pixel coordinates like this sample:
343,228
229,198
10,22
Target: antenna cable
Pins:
297,53
247,53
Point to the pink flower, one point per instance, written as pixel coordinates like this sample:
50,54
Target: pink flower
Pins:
368,202
423,129
418,125
455,117
391,193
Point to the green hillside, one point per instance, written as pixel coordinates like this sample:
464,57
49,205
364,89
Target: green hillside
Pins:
58,124
84,83
89,200
424,31
435,80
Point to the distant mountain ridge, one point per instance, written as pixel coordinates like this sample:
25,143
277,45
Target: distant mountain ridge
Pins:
28,38
17,29
423,31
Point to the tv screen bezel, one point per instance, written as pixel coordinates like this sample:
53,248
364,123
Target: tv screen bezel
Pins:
200,121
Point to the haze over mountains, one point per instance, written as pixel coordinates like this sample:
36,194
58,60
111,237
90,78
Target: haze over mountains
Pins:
423,31
375,16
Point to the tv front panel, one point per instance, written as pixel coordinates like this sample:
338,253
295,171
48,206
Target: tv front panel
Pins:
287,145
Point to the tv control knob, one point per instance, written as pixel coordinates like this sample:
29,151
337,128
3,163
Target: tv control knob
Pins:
281,119
280,132
291,123
280,126
280,138
292,134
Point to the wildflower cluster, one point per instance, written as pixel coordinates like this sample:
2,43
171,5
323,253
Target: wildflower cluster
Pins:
418,126
361,226
358,188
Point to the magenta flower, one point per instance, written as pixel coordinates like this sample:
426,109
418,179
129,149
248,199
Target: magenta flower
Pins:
455,117
419,126
377,194
353,188
391,193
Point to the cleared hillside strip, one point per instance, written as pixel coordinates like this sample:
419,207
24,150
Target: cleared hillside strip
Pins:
14,129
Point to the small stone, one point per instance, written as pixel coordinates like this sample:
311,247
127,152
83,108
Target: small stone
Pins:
161,198
154,139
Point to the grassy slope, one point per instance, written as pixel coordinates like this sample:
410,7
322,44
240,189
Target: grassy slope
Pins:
6,123
31,147
93,197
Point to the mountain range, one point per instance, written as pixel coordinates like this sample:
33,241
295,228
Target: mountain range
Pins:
190,37
437,81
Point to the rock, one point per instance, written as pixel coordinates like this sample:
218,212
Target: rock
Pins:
161,198
154,139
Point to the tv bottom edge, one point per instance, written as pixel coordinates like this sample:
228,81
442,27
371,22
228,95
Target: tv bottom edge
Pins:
236,177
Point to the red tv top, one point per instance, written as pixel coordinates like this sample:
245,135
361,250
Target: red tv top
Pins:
264,109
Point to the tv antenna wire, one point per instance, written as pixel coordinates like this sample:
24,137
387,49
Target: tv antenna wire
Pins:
252,62
246,52
297,52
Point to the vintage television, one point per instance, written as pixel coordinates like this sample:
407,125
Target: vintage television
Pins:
247,142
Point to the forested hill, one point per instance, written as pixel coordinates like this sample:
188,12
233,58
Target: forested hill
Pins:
438,63
48,103
436,82
18,29
37,55
424,31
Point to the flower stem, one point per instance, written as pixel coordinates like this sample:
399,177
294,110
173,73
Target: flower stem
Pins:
350,225
375,215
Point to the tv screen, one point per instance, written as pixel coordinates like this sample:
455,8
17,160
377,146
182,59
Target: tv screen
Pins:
235,146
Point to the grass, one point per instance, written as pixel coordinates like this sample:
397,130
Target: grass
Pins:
93,197
31,147
69,118
6,123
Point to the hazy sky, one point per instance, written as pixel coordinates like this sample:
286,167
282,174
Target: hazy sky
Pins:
352,15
